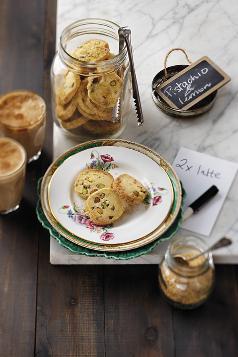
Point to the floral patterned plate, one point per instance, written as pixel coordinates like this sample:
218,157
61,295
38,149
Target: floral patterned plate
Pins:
64,209
124,255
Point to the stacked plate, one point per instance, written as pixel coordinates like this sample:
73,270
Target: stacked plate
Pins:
61,210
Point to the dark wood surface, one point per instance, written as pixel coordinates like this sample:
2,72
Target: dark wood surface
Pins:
85,311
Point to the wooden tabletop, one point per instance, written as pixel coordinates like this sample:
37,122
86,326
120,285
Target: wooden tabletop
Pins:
85,311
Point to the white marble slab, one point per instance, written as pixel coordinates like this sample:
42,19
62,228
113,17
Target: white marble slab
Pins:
203,28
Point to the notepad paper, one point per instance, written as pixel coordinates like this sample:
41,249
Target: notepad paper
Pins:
198,172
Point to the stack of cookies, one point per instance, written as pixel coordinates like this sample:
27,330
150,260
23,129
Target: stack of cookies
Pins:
85,101
107,199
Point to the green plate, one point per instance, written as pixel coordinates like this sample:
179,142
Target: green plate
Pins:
124,255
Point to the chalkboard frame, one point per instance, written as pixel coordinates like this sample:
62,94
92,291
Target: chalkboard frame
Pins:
200,97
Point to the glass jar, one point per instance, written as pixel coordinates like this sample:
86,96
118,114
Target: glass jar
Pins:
186,285
91,82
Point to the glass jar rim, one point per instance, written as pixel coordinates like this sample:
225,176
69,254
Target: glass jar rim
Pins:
73,63
188,271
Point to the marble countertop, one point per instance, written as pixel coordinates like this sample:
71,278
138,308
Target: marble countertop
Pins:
202,28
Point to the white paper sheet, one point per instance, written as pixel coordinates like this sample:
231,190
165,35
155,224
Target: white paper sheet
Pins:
198,172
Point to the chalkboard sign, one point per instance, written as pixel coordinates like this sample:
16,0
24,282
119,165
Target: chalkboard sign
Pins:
193,84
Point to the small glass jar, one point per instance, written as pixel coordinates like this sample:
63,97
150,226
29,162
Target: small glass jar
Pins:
86,96
186,285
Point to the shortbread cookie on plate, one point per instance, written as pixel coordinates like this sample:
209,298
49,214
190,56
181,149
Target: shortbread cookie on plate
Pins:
69,88
92,51
91,180
104,90
131,191
104,207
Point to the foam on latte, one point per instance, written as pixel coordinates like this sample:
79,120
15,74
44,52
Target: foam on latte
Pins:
21,109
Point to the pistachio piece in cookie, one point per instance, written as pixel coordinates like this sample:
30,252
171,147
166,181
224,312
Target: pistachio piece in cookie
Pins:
104,207
92,180
104,90
69,88
92,51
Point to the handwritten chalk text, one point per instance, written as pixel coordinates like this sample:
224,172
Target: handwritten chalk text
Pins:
181,86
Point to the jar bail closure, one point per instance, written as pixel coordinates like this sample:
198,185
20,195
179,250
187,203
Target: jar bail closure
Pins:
167,56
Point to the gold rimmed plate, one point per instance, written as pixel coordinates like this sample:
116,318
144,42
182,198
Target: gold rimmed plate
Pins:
64,208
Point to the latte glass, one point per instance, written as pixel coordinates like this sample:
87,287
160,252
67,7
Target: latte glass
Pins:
23,118
12,174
